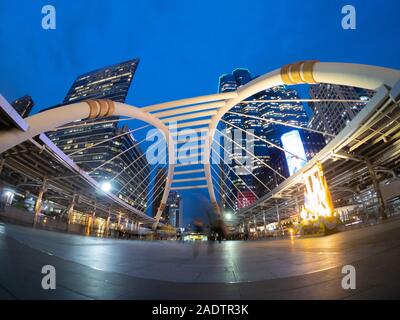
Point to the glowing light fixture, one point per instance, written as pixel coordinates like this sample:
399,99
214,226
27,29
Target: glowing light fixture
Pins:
106,186
8,193
228,216
317,197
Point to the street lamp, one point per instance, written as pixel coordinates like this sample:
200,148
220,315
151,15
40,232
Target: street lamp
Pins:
228,216
106,186
8,194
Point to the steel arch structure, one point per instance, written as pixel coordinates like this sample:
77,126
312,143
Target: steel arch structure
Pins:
202,113
90,109
304,72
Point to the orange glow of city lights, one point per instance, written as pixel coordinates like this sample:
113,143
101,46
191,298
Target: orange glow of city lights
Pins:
317,197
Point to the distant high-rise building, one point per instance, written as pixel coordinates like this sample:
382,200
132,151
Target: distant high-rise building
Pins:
223,184
332,116
111,82
237,174
174,210
249,117
128,170
23,105
278,107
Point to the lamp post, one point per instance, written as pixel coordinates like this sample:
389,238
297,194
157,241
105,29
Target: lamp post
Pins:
39,200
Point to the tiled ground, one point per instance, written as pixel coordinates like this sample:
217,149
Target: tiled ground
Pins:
90,268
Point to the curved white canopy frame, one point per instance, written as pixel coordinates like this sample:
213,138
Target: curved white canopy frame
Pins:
53,118
305,72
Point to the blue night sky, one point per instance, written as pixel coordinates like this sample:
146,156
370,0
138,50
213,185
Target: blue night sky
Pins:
183,45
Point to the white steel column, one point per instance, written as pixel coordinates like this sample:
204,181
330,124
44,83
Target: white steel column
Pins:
310,72
53,118
39,200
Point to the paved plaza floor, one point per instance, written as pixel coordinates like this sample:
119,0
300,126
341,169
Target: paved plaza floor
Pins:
97,268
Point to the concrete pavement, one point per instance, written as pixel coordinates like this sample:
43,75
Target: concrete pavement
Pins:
93,268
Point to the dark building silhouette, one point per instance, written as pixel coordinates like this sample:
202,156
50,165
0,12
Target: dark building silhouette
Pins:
23,105
174,209
158,190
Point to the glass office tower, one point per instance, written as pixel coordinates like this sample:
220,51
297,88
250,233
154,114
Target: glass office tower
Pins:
333,116
80,140
264,104
23,105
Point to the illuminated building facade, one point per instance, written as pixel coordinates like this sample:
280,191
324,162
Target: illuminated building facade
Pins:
310,142
79,138
261,105
286,112
238,171
111,82
332,116
174,210
245,198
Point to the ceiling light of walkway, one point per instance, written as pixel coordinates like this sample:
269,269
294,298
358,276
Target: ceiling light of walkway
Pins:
228,216
8,194
106,186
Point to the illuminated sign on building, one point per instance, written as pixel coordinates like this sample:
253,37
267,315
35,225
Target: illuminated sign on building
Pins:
317,197
245,198
295,154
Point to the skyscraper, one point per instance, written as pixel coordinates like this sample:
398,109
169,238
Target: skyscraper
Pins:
309,142
111,82
248,117
23,105
333,116
80,140
278,107
237,174
174,210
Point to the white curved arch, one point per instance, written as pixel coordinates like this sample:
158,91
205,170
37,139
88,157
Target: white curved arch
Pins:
309,72
53,118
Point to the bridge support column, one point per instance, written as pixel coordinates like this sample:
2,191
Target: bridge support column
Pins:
278,218
107,231
70,209
296,198
265,225
381,202
93,218
255,226
119,223
89,222
2,161
39,200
